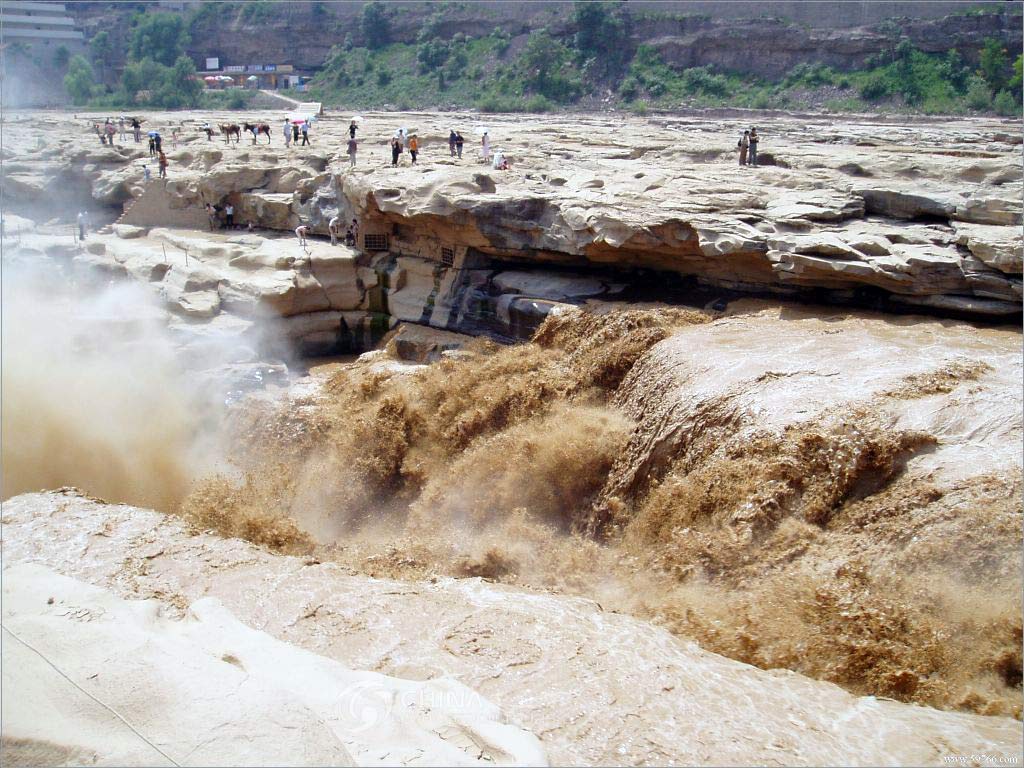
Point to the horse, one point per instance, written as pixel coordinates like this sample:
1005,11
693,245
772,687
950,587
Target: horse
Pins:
231,130
256,129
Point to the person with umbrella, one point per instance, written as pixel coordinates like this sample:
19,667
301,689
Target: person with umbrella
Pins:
485,143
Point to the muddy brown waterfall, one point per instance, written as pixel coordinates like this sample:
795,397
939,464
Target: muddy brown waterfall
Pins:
624,434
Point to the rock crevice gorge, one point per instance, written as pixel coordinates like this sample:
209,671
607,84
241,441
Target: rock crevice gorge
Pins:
625,435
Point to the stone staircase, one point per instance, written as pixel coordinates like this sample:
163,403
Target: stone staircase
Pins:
153,208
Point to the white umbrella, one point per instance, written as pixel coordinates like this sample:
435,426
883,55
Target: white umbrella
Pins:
356,119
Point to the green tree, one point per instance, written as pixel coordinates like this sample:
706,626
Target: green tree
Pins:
144,75
101,49
61,57
979,95
158,36
1004,104
431,55
994,64
1017,81
183,78
79,81
375,24
545,61
602,32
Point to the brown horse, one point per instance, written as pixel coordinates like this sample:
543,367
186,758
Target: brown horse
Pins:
256,129
231,130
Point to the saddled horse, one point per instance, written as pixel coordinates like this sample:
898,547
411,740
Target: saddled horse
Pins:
256,129
231,130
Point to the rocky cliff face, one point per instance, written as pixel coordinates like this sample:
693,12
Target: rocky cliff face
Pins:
765,40
911,217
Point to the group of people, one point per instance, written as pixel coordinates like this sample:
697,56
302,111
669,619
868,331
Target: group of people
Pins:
334,227
213,213
401,140
398,144
108,130
293,130
747,146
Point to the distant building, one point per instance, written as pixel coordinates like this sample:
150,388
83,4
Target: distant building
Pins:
38,23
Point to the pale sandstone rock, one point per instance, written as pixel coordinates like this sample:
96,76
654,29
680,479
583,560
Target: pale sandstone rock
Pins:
998,247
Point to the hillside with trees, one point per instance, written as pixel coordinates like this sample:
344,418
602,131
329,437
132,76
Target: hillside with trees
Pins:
584,55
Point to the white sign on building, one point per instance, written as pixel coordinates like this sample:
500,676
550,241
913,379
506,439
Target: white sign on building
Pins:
212,63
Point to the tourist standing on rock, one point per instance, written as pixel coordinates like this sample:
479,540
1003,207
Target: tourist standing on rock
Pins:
145,173
485,143
99,132
300,232
743,145
753,146
396,150
452,138
152,146
174,139
229,213
120,127
137,129
295,133
414,148
305,133
334,227
211,215
459,141
354,226
352,128
163,166
81,225
350,237
352,147
159,142
287,134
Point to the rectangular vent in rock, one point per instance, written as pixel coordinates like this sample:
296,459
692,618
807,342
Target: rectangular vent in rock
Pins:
375,242
448,256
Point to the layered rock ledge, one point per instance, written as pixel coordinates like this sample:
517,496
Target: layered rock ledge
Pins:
922,217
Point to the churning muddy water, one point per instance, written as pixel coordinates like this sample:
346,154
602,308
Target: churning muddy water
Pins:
837,494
